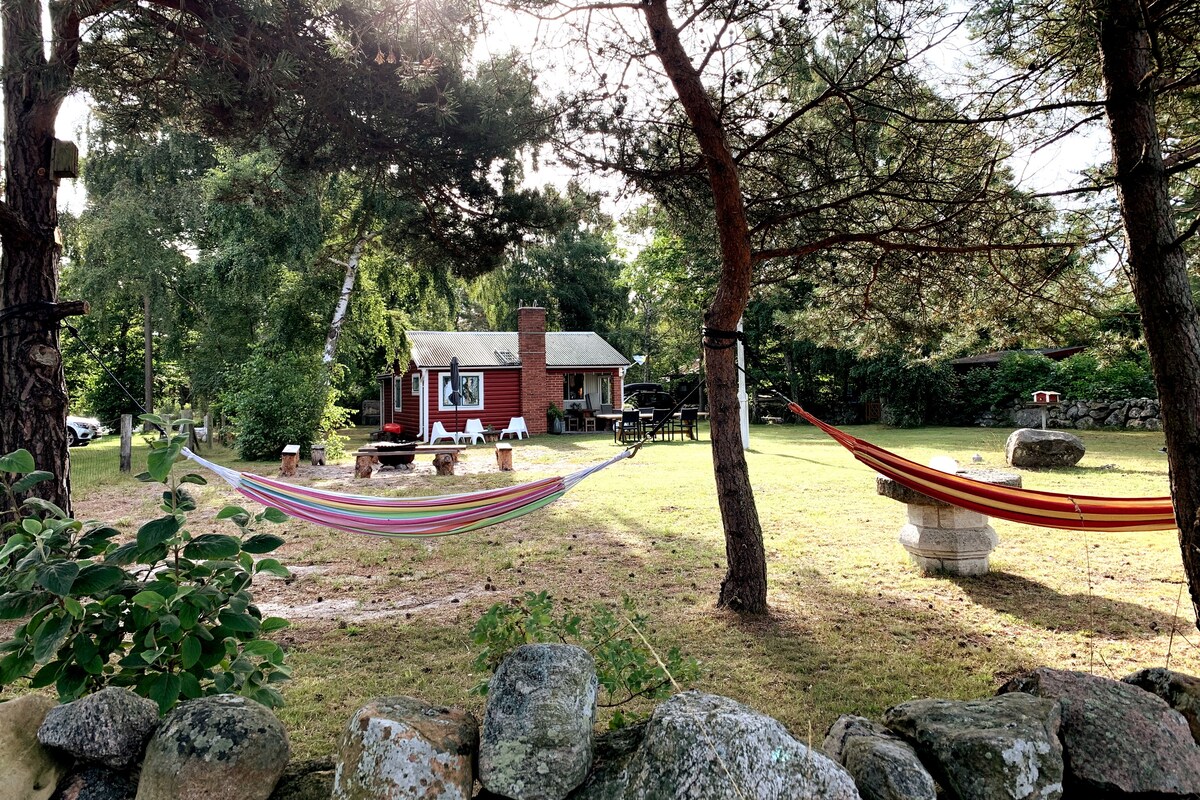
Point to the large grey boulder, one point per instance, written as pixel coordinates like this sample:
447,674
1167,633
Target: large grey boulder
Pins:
707,747
30,771
1181,692
1117,738
92,782
109,727
401,747
1034,449
223,746
1001,748
537,729
884,767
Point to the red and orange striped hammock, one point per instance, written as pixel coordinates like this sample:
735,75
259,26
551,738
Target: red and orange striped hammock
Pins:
1028,506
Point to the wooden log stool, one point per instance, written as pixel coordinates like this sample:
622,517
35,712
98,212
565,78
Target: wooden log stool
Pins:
364,464
504,456
318,455
444,463
290,461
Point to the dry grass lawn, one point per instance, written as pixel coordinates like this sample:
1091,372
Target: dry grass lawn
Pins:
853,627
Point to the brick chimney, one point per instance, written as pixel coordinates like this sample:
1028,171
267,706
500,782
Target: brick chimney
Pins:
531,349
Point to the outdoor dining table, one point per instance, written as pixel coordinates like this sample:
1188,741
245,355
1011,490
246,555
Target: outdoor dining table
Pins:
615,417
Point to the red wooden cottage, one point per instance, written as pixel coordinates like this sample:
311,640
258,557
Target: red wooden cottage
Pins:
504,375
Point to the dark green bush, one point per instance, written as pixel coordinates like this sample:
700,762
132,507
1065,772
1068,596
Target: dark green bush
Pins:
279,400
910,391
169,615
1020,375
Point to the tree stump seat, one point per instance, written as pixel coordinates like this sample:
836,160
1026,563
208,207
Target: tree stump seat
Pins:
290,461
504,456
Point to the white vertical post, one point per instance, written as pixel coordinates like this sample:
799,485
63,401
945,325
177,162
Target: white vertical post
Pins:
743,398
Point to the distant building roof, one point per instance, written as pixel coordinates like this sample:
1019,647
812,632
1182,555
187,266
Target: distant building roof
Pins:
490,349
992,359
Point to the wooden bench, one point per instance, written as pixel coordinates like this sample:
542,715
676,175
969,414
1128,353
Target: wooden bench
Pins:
366,457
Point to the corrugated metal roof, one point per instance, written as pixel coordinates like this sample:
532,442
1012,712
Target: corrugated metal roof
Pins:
581,349
479,349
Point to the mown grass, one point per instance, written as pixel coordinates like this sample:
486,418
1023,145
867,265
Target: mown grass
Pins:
853,626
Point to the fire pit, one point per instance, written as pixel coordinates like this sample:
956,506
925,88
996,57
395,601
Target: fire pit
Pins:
395,454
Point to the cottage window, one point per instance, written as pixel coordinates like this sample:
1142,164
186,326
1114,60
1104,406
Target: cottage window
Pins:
397,394
416,384
472,392
606,390
573,386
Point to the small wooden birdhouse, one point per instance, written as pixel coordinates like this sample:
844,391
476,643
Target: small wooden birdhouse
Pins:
64,160
1045,398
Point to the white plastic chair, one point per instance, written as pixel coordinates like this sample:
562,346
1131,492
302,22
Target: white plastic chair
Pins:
473,431
516,428
439,432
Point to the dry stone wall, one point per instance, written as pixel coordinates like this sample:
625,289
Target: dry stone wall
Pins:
1137,414
1047,735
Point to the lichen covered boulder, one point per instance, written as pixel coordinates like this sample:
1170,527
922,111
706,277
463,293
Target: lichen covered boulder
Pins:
884,767
1037,449
224,746
1117,738
1001,748
1181,692
401,747
707,747
537,730
109,727
30,771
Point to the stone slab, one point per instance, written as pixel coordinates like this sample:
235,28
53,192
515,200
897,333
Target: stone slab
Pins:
887,487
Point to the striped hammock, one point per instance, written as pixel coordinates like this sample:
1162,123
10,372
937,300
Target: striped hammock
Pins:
1028,506
400,517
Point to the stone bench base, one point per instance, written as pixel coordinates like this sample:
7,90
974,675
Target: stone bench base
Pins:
946,539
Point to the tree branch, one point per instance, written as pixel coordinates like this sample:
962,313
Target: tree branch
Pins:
879,240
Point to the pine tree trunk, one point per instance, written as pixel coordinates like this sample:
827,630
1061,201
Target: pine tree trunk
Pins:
33,394
745,586
1156,260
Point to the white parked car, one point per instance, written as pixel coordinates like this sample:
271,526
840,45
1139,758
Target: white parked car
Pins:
81,430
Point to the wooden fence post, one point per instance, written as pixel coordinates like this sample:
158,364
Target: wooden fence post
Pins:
208,431
127,443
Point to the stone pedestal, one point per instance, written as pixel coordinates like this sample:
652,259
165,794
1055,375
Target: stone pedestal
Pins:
941,538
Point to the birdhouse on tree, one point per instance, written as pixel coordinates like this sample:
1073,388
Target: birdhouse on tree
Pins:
1045,398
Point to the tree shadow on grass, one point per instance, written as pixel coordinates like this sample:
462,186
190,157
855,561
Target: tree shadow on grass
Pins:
1042,606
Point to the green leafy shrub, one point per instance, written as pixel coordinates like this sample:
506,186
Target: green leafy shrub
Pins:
279,400
1020,375
169,615
1077,376
1124,379
334,419
910,391
626,666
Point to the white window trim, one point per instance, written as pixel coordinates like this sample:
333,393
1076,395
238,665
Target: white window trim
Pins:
416,383
397,395
443,377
